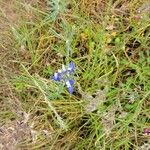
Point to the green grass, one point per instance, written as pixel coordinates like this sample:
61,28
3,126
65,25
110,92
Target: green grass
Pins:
109,45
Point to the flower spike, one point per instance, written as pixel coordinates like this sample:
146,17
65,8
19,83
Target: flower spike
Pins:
64,75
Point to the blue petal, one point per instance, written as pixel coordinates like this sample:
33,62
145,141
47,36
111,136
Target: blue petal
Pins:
71,66
56,77
70,89
71,82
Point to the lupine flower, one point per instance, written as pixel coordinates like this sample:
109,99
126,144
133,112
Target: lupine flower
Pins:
65,75
69,84
71,67
57,76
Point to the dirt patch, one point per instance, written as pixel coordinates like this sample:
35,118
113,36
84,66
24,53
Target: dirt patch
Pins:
13,128
18,131
8,10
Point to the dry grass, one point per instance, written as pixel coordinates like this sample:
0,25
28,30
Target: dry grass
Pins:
109,43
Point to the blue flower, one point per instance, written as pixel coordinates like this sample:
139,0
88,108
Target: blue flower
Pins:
57,76
65,75
71,67
69,84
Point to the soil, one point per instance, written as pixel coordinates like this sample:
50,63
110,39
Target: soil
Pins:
12,132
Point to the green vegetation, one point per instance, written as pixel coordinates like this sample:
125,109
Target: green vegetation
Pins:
109,43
